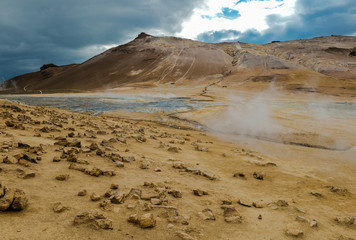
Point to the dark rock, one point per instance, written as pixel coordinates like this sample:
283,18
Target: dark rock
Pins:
45,66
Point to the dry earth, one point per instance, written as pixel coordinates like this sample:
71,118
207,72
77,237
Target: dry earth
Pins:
139,179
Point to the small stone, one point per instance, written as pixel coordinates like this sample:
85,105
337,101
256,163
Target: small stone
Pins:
106,205
244,203
62,177
10,160
199,192
29,175
184,236
72,157
206,214
240,175
259,175
117,198
316,194
156,201
302,219
93,219
76,143
209,174
175,193
109,193
144,165
56,159
173,149
82,193
119,164
95,197
282,203
259,217
131,206
294,233
147,221
133,219
348,220
313,223
58,207
157,170
114,186
226,202
257,205
232,215
341,191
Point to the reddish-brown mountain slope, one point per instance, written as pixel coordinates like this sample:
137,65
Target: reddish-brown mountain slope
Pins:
151,61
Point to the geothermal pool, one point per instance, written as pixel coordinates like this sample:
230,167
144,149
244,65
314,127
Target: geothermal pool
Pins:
101,103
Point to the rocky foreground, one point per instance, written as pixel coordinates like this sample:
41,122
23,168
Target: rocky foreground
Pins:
68,175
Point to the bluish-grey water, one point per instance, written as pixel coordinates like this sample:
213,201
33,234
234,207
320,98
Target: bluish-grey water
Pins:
106,103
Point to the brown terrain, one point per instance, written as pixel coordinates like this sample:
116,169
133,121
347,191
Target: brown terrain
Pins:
274,157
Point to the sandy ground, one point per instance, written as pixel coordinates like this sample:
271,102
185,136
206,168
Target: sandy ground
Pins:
307,192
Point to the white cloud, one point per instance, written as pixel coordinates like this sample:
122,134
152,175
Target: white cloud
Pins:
252,16
92,50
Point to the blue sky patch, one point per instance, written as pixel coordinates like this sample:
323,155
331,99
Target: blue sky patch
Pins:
229,13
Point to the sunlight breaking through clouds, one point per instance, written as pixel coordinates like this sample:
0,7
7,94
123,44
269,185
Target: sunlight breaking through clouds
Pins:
234,16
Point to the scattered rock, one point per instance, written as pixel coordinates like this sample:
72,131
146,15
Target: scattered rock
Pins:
173,149
133,219
62,177
347,220
82,193
56,159
58,207
6,199
19,201
119,164
209,174
206,214
175,193
10,160
259,175
313,223
184,236
244,203
239,175
198,192
294,233
156,201
316,194
95,197
94,220
117,198
28,175
341,191
147,221
144,165
231,215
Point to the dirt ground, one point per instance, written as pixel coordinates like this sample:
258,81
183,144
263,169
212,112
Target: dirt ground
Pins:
198,184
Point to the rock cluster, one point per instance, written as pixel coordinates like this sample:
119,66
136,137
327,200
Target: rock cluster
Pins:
12,199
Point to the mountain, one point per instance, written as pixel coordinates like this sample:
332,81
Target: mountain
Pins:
150,61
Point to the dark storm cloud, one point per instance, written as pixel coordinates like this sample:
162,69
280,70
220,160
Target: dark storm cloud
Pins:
41,31
311,19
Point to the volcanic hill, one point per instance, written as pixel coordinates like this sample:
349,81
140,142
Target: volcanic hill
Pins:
318,64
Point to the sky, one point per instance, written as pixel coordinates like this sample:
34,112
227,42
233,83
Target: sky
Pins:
37,32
